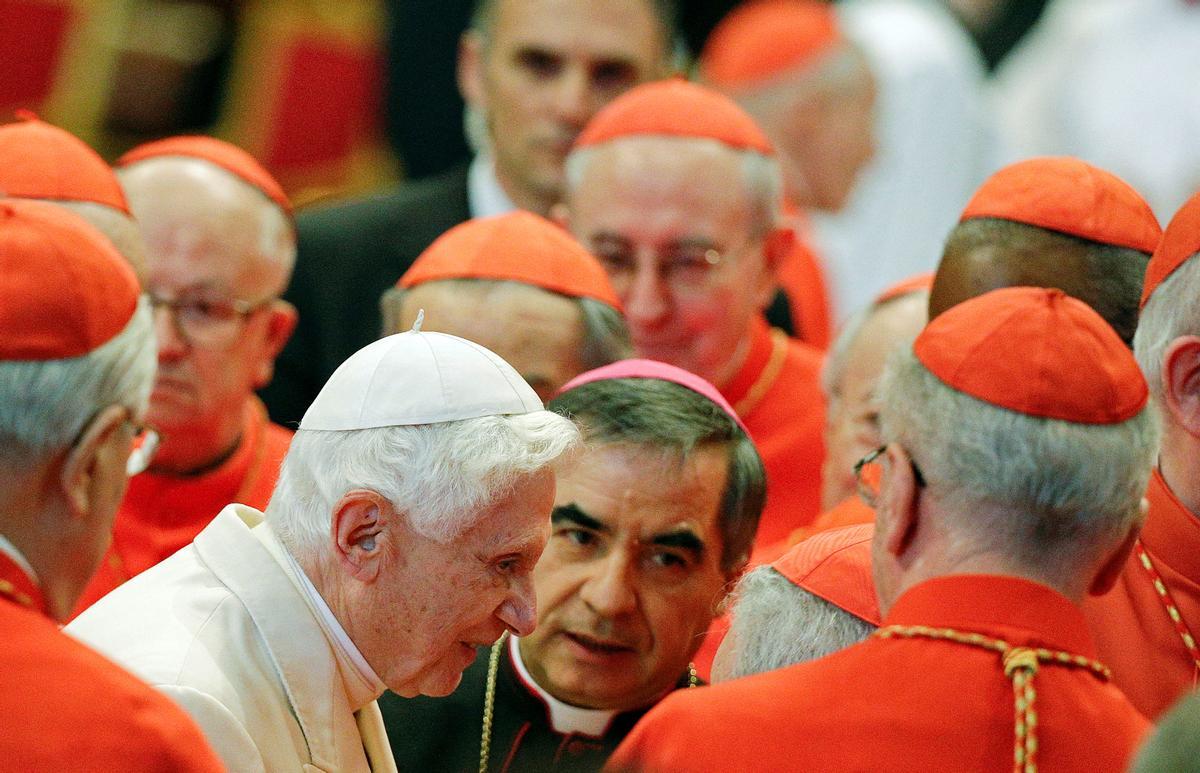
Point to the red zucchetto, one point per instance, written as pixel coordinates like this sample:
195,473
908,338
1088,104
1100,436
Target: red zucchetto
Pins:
1035,351
64,289
519,247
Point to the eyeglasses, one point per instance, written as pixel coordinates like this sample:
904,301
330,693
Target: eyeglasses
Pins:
210,323
868,474
687,267
145,444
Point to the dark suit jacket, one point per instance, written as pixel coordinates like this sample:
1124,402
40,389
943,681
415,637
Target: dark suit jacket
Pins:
443,734
349,253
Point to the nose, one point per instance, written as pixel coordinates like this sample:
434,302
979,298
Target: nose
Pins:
519,611
572,100
647,301
171,344
609,589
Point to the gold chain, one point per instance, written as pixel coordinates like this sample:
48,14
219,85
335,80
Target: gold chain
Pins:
489,698
1020,666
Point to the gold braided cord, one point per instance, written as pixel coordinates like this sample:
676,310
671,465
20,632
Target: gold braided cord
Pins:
1020,665
489,701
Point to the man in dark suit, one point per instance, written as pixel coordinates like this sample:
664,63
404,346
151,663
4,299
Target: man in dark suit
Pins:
533,72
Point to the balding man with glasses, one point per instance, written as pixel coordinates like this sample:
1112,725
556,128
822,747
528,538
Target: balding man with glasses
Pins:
221,245
677,191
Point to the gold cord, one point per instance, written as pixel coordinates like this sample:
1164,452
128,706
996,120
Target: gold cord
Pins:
1020,666
489,701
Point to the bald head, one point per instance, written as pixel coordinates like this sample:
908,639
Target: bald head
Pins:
120,228
194,206
984,254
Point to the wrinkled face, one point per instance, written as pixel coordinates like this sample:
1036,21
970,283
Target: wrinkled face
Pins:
651,209
434,604
631,576
852,415
206,239
548,67
539,333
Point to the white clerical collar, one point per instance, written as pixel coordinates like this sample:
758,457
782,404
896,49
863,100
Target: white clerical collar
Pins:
370,681
564,718
485,196
10,550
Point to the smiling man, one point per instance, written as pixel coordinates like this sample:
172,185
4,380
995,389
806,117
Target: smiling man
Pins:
409,514
649,527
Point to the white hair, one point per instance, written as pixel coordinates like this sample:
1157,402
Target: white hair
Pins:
46,404
1173,310
1044,491
777,623
761,175
439,475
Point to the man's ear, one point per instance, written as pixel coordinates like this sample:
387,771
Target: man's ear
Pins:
777,245
362,523
898,507
1181,382
560,215
94,459
1110,570
280,324
469,69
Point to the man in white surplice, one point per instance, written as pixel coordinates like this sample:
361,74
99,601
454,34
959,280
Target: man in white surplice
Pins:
408,516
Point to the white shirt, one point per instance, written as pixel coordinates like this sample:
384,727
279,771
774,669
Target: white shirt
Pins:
564,718
10,550
485,195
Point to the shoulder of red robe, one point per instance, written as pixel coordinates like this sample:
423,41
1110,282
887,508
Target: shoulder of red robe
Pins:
64,289
1179,243
1035,351
41,161
675,108
1064,194
226,155
520,247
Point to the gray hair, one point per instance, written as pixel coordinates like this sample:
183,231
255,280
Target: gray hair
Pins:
776,623
1173,310
1045,492
761,175
440,475
47,404
674,420
605,334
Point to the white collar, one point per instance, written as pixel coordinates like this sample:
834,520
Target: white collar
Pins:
10,550
369,681
485,195
564,718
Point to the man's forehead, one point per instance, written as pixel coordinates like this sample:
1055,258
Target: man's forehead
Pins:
600,29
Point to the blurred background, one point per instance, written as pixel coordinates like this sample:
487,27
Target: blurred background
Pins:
334,97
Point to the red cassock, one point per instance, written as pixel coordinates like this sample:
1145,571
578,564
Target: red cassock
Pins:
905,704
1134,632
777,392
803,280
161,514
64,707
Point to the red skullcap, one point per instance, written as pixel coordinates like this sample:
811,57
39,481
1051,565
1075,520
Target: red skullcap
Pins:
635,368
914,284
1035,351
836,566
64,289
1067,195
758,40
519,246
675,108
1180,241
41,161
229,157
